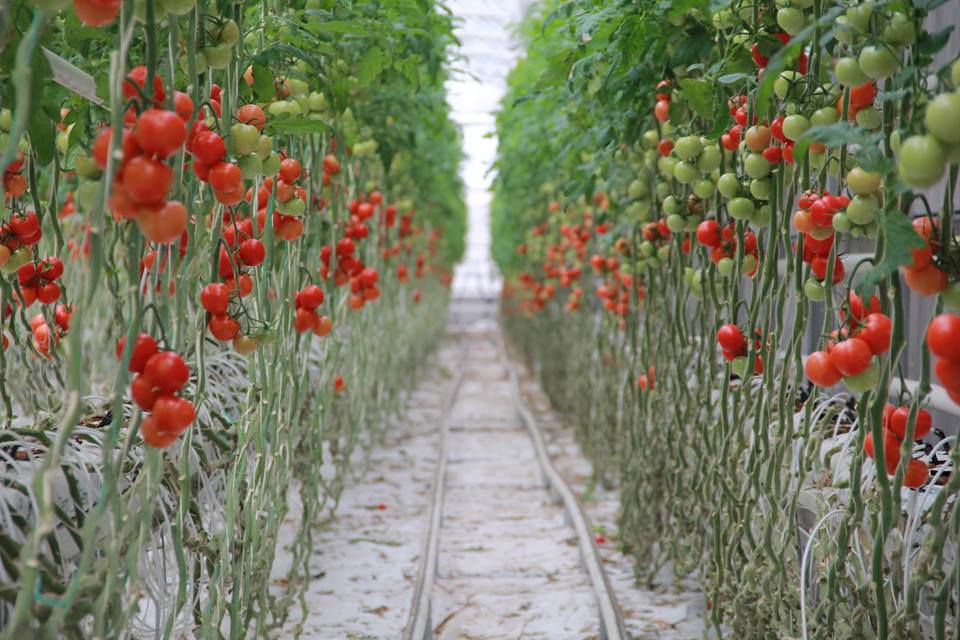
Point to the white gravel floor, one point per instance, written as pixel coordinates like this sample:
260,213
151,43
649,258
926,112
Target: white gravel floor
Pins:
508,564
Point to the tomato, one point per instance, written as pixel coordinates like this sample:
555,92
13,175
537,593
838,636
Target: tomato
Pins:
225,177
96,13
917,474
245,345
223,327
849,73
310,297
289,170
215,297
136,79
50,268
898,423
209,148
142,392
167,371
794,126
331,165
708,233
942,117
943,336
922,160
819,267
144,347
160,132
252,114
820,369
146,180
323,327
305,319
164,224
891,450
661,110
731,339
876,332
878,61
153,436
48,293
183,105
926,281
851,356
251,252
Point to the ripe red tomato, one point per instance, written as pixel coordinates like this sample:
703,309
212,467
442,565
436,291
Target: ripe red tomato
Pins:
252,114
369,277
209,148
926,281
891,450
310,297
147,181
917,474
345,247
851,356
223,327
943,336
251,252
305,319
142,392
948,373
137,77
183,105
163,224
166,371
820,369
160,132
289,170
48,293
215,297
173,414
153,436
661,110
331,165
875,331
144,347
323,327
898,423
96,13
731,339
225,177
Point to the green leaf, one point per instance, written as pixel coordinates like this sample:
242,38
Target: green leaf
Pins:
297,124
371,64
834,134
899,239
347,28
263,89
699,95
42,135
731,78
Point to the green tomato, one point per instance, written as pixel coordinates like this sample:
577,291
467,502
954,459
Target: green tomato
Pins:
842,30
671,205
271,164
696,287
685,172
647,248
760,188
688,274
17,259
900,30
728,185
298,87
739,365
869,118
87,194
863,381
6,119
814,290
636,189
704,188
317,101
250,165
51,6
922,160
942,117
644,211
292,207
951,296
690,223
264,147
878,61
663,253
749,264
861,209
709,159
688,147
786,79
762,216
725,267
650,138
86,167
662,190
841,222
795,126
872,229
217,56
824,116
791,20
757,166
229,33
245,138
740,208
858,17
178,7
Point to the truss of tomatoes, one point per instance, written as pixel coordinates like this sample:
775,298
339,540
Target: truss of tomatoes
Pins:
894,430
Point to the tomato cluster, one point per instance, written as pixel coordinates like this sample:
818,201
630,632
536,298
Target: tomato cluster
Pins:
306,317
734,347
43,335
38,281
160,375
894,429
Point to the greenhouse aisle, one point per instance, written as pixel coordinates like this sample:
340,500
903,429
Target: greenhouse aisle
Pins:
508,564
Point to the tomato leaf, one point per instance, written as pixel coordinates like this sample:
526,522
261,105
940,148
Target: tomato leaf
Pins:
346,28
834,134
263,89
371,64
899,239
699,95
297,124
731,78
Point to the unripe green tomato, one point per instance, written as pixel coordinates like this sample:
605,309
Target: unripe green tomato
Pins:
317,101
728,185
869,118
663,253
685,172
245,138
761,216
302,102
63,141
199,60
6,119
841,222
786,79
666,165
86,167
814,290
824,116
264,147
650,158
696,288
251,166
872,229
87,194
942,117
760,188
725,267
663,189
877,61
817,160
791,20
671,205
951,296
298,87
842,31
647,248
895,141
922,160
666,129
690,223
17,259
861,209
645,211
749,264
795,126
858,17
650,138
229,33
863,381
178,7
675,223
271,164
709,159
652,262
688,274
704,188
899,30
292,207
740,208
217,56
756,166
858,232
688,147
739,365
953,153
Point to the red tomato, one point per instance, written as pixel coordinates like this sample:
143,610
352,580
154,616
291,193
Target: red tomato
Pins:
926,281
160,132
223,327
898,423
323,327
305,320
144,347
137,77
173,414
215,297
209,148
310,297
289,170
225,177
251,252
851,356
165,224
891,450
96,13
876,331
252,114
917,474
147,181
821,370
142,392
943,336
731,339
153,436
167,371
